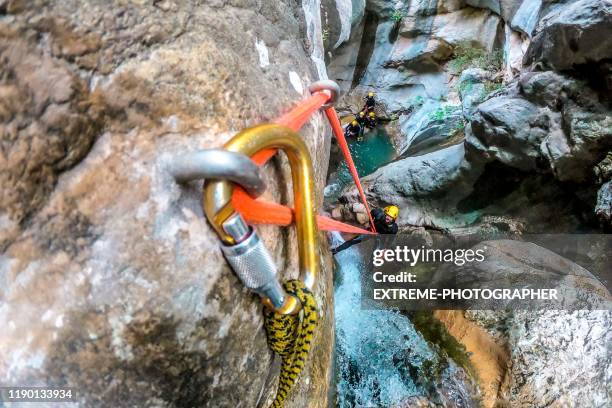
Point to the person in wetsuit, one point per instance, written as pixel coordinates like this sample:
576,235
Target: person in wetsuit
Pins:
384,221
361,118
371,121
353,129
370,102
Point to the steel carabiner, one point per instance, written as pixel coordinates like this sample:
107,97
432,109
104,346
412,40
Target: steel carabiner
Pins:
241,245
218,164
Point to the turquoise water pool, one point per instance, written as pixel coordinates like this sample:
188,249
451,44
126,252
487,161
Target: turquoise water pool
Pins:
374,151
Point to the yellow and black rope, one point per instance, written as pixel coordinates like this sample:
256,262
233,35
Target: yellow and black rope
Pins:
290,338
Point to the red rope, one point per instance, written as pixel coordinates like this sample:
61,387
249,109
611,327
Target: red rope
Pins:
337,128
265,212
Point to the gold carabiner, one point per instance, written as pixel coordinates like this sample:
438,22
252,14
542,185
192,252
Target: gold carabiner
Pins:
218,207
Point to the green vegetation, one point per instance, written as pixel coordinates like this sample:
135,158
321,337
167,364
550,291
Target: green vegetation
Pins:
466,86
325,34
442,112
397,16
491,87
467,56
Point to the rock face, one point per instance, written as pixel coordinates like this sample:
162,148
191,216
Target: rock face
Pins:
426,186
574,343
508,130
111,281
434,125
526,344
580,33
543,121
550,119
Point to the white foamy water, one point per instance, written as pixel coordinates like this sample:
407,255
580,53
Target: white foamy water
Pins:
374,348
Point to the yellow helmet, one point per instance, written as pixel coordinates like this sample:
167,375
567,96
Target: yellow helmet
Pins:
372,114
371,94
361,114
354,123
392,211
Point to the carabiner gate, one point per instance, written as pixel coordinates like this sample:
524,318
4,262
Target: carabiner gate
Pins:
241,245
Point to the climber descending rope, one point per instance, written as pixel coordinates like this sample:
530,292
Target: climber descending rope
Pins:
291,310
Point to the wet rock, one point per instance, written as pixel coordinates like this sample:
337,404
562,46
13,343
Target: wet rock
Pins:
578,33
108,266
603,209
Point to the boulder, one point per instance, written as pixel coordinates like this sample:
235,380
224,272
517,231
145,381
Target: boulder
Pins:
509,129
430,128
507,262
574,342
587,139
111,280
576,34
427,186
585,124
544,118
603,170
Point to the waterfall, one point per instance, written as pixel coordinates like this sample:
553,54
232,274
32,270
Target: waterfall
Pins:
378,351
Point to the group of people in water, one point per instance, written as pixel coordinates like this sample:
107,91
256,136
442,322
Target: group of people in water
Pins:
384,218
366,118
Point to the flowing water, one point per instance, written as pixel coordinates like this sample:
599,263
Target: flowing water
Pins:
381,359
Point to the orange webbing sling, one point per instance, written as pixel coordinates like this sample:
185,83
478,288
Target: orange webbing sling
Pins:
259,211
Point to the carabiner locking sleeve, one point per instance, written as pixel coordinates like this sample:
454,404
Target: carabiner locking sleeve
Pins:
242,246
